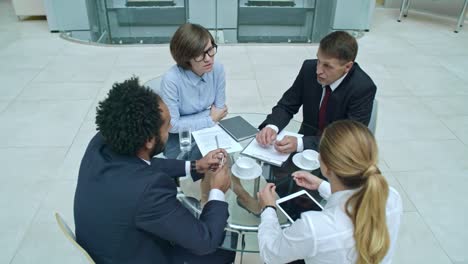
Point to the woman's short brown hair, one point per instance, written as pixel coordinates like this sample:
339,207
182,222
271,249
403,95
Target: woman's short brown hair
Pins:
188,42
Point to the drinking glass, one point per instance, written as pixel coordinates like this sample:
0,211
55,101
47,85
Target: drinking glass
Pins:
185,139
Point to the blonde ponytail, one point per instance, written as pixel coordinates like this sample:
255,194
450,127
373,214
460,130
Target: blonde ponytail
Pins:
348,149
366,208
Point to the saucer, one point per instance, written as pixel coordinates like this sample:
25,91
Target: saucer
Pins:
297,160
252,174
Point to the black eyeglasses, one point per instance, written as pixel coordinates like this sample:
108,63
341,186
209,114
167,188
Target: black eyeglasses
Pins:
210,52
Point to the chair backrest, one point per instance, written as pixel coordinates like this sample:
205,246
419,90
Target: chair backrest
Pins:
373,120
154,84
71,237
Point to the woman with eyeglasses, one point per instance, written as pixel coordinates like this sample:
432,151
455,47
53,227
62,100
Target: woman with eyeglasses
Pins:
194,88
359,223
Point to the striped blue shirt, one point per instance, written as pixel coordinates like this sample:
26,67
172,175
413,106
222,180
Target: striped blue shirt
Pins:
189,96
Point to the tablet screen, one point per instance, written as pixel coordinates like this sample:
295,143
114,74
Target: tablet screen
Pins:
297,205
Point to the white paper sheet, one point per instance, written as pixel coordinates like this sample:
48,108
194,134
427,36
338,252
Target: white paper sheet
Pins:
206,140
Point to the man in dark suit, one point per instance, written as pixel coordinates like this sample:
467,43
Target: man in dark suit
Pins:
125,208
330,88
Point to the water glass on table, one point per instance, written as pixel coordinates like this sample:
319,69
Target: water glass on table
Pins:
185,139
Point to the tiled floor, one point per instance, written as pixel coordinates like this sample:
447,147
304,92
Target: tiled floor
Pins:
49,88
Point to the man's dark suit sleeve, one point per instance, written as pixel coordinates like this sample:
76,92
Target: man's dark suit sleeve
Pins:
172,167
361,103
161,214
288,105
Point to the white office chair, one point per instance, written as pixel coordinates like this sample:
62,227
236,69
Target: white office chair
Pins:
373,120
71,237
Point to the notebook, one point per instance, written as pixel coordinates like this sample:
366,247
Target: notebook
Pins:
269,154
238,128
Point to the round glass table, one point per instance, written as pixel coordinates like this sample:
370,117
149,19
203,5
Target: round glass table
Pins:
242,227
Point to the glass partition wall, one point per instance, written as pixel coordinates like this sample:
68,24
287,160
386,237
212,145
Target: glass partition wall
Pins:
230,21
275,21
134,21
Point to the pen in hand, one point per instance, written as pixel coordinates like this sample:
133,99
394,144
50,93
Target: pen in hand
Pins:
217,146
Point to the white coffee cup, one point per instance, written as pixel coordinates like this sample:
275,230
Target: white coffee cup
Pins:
309,158
245,165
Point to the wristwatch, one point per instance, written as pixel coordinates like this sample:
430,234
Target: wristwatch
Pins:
193,170
270,206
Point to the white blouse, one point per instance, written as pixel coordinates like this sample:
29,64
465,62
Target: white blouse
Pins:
321,236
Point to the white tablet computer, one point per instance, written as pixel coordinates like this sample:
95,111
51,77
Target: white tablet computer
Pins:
295,204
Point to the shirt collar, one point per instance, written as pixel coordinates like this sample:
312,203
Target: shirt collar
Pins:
337,83
339,198
193,77
146,161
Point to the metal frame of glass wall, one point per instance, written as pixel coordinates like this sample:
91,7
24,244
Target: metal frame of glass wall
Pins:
231,21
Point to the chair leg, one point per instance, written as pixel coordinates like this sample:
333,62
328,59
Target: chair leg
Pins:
408,3
461,19
402,9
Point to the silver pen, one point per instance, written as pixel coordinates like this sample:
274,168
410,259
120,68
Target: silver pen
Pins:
217,142
217,146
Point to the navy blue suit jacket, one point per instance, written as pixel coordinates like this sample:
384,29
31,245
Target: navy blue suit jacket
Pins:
352,99
126,211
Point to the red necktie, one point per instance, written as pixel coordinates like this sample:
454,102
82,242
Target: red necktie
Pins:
322,120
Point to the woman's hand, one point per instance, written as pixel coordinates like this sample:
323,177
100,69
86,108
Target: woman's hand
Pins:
218,113
267,196
307,180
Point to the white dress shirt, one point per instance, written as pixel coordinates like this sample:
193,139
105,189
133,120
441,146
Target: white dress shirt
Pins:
321,236
300,142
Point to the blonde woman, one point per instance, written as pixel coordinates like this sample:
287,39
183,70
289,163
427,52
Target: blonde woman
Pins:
360,221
